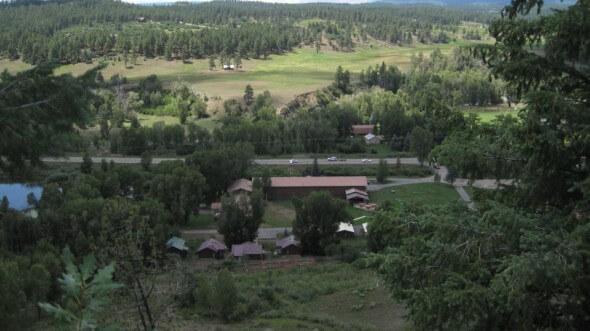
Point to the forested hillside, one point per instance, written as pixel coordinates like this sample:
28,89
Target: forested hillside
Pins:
464,222
79,31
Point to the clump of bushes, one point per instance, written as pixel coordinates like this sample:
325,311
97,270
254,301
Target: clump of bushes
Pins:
344,253
219,298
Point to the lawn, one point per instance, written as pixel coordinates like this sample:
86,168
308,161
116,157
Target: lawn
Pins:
425,193
278,214
201,222
488,114
285,76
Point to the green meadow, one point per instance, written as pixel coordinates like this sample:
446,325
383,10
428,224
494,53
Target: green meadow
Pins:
285,76
488,114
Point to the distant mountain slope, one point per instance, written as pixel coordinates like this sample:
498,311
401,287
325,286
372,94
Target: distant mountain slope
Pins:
466,2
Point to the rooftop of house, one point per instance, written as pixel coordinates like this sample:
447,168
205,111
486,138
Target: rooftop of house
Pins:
370,136
345,227
321,181
240,184
288,241
213,245
362,129
247,248
177,243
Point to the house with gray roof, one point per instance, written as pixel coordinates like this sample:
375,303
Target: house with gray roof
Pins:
289,246
211,249
177,245
248,250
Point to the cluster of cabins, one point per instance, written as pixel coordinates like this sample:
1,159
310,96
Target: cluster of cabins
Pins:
214,249
351,188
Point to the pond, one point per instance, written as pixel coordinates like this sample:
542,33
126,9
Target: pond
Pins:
17,194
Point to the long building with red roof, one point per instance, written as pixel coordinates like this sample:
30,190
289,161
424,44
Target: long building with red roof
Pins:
299,187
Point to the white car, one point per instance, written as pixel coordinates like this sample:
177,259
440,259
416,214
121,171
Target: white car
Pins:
332,158
366,161
293,161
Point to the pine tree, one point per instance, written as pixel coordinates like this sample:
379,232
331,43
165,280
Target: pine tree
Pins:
4,205
315,170
211,63
86,166
248,95
146,160
382,171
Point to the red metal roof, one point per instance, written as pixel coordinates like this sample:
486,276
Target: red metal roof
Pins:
362,129
336,181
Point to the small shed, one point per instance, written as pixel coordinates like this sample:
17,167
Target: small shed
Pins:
372,139
211,249
289,246
345,230
354,196
248,250
228,67
177,245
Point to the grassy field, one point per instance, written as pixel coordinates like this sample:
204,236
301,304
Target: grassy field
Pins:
278,214
425,193
201,222
285,76
488,114
327,296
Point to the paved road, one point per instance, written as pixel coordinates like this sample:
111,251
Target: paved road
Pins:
156,160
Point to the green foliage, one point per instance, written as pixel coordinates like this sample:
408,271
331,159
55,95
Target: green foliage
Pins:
56,103
317,219
146,160
421,142
248,95
12,298
86,166
221,166
240,218
315,170
86,288
498,266
225,296
4,205
180,190
382,171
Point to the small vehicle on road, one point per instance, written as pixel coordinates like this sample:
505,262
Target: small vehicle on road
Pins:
332,158
366,161
292,161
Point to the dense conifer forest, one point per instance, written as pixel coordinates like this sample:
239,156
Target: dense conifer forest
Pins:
79,31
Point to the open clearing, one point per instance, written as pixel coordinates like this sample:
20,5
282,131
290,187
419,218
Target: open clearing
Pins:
425,193
488,114
285,76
